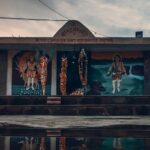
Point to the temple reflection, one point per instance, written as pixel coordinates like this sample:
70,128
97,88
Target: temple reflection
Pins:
73,143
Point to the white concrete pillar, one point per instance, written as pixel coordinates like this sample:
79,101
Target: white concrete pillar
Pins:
9,73
54,74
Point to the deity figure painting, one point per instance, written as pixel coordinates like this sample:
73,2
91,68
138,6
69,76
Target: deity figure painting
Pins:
27,67
32,71
42,71
101,73
117,73
72,73
117,69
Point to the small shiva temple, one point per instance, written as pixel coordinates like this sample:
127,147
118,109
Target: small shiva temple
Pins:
74,73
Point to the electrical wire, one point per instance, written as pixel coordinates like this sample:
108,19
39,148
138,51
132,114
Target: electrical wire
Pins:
37,19
28,19
58,13
52,9
97,33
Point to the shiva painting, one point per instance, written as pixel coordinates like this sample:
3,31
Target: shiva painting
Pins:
117,73
30,72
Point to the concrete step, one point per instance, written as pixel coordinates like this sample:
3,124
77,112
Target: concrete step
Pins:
73,100
75,105
102,110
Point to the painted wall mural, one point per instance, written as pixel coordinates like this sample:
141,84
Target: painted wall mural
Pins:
117,73
30,71
72,69
102,73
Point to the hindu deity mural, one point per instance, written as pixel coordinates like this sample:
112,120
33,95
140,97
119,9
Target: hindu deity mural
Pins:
30,74
73,73
42,70
102,73
117,69
117,73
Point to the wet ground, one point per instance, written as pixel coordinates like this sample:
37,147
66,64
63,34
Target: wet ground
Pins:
54,122
76,132
73,121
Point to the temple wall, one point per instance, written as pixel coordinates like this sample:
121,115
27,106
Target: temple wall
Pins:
6,69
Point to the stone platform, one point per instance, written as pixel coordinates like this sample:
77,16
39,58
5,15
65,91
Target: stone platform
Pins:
75,105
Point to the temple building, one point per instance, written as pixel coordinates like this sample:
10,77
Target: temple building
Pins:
74,68
69,41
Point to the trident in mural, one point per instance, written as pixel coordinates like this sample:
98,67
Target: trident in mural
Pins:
43,72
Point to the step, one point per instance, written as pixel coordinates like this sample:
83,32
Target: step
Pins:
102,110
74,105
73,100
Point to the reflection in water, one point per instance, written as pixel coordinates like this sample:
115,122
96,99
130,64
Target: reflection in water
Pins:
63,143
105,144
29,143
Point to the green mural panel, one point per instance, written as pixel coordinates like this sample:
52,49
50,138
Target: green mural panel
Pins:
117,73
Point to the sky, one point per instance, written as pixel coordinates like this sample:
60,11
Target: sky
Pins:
110,18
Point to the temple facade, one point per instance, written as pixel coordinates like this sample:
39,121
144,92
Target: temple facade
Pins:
74,68
96,66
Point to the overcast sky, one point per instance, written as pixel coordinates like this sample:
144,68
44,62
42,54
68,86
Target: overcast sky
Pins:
119,18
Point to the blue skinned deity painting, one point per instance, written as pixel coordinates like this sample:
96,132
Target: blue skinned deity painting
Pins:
117,73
